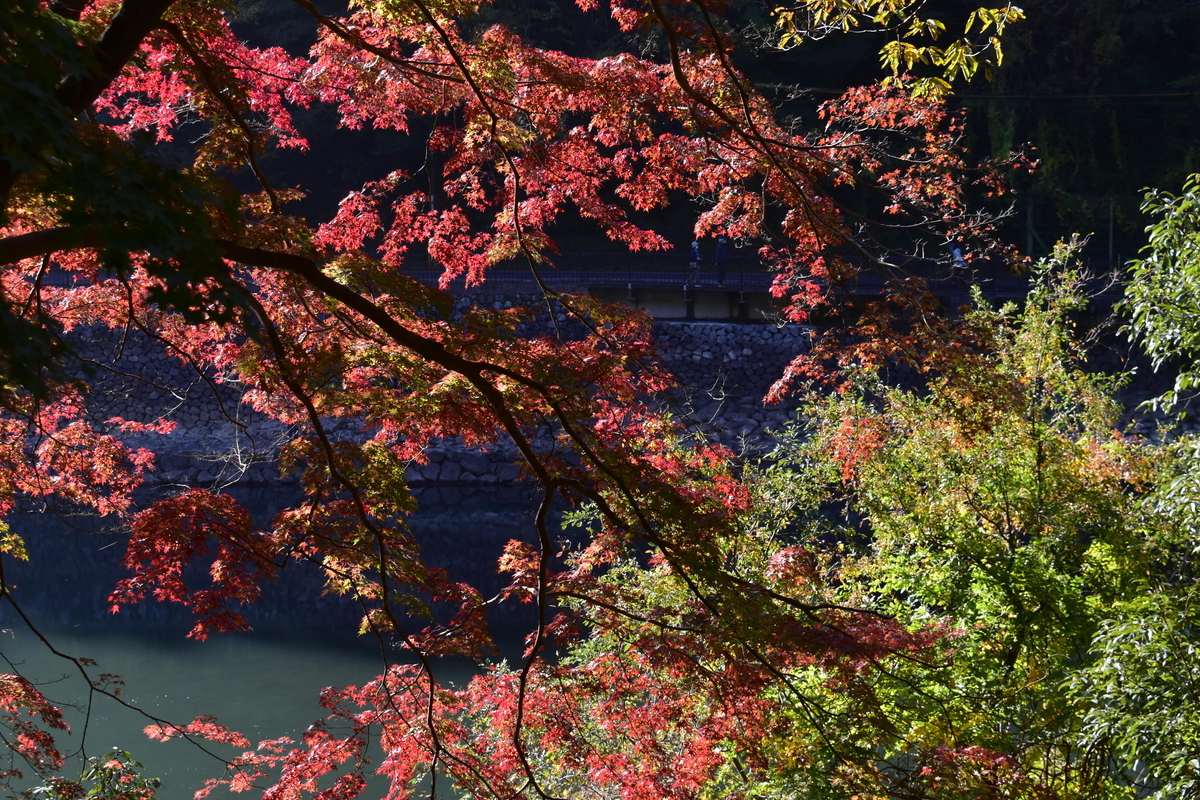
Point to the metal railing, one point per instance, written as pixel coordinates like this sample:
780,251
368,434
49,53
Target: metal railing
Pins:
584,271
998,279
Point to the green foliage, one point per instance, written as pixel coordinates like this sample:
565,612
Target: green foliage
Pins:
1141,684
1163,295
112,776
999,506
1143,692
35,49
116,775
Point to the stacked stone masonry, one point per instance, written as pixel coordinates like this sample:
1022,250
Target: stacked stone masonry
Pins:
723,372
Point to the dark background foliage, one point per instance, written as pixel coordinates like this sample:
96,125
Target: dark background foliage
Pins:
1107,91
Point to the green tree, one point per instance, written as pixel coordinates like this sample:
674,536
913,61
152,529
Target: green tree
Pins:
112,776
1163,295
999,506
1000,573
1142,691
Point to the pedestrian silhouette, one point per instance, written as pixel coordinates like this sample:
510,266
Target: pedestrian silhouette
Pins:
722,253
957,261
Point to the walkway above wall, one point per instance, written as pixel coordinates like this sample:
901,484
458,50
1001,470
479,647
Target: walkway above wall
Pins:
745,293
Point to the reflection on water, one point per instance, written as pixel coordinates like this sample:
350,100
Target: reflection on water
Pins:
264,683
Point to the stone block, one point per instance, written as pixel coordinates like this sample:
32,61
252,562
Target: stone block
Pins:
476,463
508,473
174,461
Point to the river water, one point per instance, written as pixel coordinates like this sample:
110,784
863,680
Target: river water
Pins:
263,683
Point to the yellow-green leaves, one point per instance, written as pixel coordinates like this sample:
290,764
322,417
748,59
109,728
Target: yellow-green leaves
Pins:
994,17
12,543
910,45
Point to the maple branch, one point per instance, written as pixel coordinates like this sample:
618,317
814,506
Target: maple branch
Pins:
543,600
473,371
514,171
116,45
35,291
210,82
348,35
15,248
360,507
39,243
426,348
173,346
622,612
765,144
703,100
515,174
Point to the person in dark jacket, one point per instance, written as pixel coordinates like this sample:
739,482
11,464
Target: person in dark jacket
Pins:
722,255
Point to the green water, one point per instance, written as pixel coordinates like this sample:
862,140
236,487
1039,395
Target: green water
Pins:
265,687
264,683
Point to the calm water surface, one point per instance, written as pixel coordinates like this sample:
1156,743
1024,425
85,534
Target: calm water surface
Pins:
264,683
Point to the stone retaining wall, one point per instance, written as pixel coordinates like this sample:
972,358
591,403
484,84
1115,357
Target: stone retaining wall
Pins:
723,369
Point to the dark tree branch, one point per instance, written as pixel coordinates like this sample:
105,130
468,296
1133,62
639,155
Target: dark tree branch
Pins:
40,243
210,81
112,52
351,36
71,9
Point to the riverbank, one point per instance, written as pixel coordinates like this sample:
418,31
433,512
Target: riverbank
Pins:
723,371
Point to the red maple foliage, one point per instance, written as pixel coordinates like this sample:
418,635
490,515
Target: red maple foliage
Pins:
317,320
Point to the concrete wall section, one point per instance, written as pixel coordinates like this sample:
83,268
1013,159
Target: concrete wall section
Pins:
706,303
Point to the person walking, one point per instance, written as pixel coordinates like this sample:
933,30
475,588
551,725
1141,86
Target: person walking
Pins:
693,278
722,255
957,260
